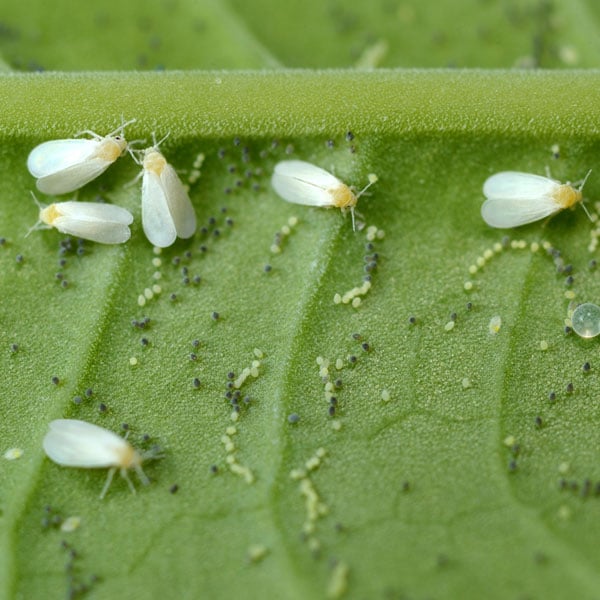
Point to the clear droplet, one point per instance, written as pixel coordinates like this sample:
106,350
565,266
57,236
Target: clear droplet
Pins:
586,320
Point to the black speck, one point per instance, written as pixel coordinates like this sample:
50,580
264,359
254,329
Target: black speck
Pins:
55,380
587,367
552,396
174,488
586,488
215,316
196,382
293,418
102,407
214,469
77,400
570,388
349,136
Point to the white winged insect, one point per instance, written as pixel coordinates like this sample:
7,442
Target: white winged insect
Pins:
95,221
515,198
62,166
167,211
73,443
301,182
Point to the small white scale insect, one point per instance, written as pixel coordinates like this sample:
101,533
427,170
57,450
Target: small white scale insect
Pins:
73,443
95,221
304,183
167,211
515,198
62,166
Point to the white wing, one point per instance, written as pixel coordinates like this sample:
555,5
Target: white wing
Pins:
512,212
304,183
178,200
103,232
518,186
73,177
57,155
95,211
74,443
157,221
103,223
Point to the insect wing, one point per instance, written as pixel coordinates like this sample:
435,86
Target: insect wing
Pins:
57,155
303,183
72,178
518,186
178,200
504,213
103,223
96,211
157,221
74,443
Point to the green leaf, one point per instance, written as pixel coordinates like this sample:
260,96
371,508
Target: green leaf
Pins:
458,462
421,497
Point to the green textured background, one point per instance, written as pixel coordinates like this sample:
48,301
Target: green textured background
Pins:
424,498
